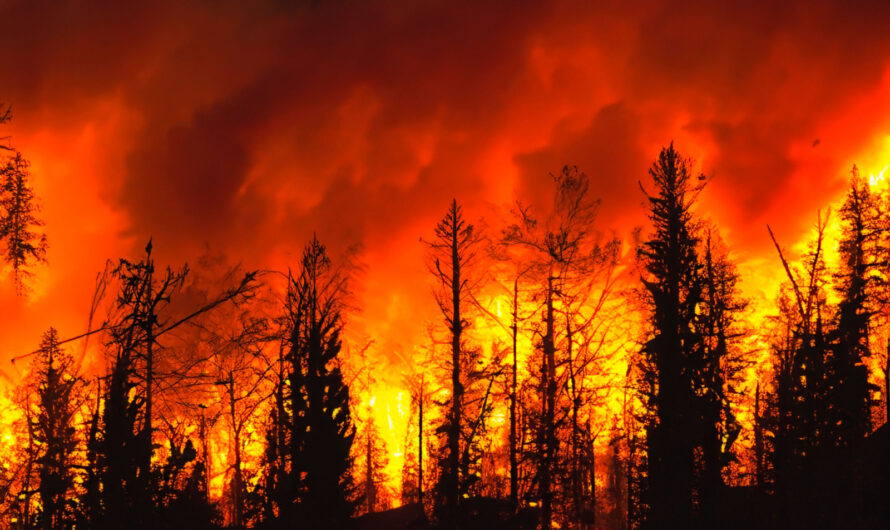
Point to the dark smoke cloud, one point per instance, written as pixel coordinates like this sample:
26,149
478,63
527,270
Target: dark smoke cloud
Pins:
250,126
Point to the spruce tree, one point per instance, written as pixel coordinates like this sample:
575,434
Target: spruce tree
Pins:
856,280
673,285
25,243
691,296
453,252
312,430
54,431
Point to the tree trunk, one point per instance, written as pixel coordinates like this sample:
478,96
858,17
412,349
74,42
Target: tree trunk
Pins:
576,467
456,386
205,449
887,384
758,439
237,501
370,489
548,427
420,446
514,465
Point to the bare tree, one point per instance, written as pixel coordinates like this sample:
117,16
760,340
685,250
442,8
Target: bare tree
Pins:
452,254
574,269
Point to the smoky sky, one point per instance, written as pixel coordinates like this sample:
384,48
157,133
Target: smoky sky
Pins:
248,126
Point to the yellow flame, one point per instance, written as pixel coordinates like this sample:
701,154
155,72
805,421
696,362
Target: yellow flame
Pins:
876,179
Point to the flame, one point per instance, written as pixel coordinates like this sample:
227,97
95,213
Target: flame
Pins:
877,179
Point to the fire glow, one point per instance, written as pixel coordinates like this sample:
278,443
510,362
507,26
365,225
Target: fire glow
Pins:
359,125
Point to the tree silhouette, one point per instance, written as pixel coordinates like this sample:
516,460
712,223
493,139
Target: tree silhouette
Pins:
690,292
371,452
311,437
19,223
717,369
230,368
802,387
50,398
861,258
573,269
125,487
452,254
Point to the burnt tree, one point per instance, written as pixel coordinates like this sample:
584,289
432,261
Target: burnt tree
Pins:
309,478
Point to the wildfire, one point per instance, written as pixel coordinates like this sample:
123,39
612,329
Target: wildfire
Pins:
877,179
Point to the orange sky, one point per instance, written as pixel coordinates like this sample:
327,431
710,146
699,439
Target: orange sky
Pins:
248,127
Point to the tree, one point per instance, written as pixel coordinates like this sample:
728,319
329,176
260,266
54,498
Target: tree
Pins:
414,468
19,223
372,487
225,368
573,269
691,300
45,478
310,439
802,388
241,382
452,253
57,387
125,488
856,282
717,371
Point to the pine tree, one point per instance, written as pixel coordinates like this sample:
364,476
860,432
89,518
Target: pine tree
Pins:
856,280
674,288
54,431
25,244
692,299
312,430
453,252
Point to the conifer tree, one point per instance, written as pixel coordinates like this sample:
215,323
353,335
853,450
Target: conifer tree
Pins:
312,432
453,252
53,425
856,281
126,488
692,301
25,243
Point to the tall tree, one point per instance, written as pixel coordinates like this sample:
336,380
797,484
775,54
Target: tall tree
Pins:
518,316
452,253
125,490
54,428
861,259
802,386
20,225
572,265
690,293
312,431
241,382
49,399
371,452
716,372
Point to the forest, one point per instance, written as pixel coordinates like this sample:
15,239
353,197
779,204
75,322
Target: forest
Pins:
572,379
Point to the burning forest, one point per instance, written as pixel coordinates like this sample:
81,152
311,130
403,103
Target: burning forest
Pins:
331,265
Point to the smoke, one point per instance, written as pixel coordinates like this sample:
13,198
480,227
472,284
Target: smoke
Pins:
249,127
